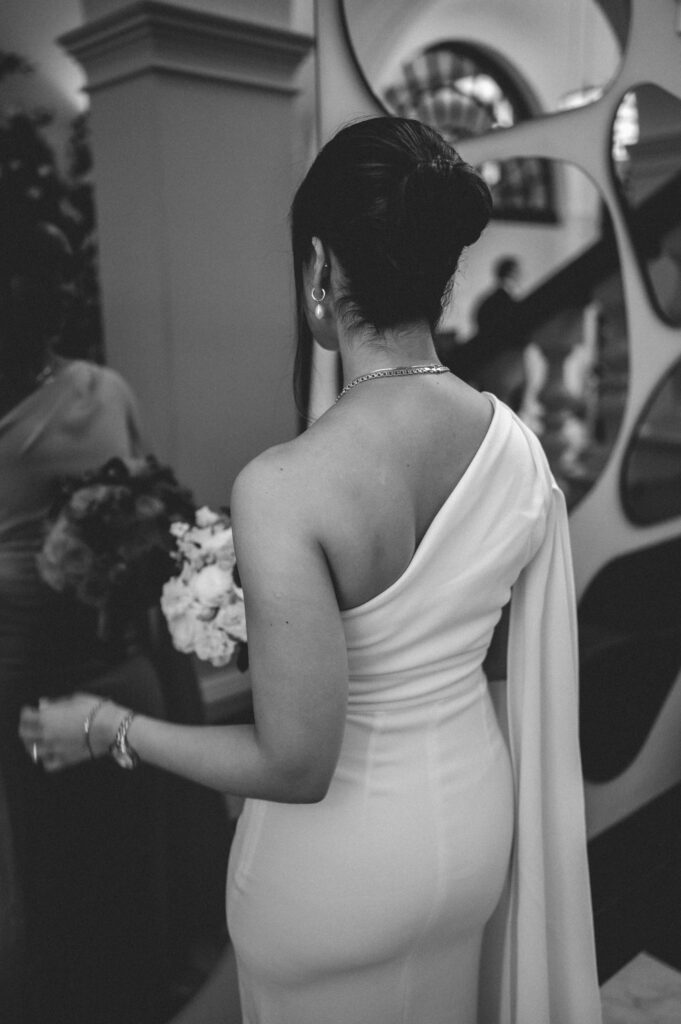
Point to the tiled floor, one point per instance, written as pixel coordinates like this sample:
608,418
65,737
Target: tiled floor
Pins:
645,991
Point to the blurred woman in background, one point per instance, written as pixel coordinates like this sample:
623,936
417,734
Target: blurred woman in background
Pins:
86,861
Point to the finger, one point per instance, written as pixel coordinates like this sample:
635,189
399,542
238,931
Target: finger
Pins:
29,714
29,736
30,731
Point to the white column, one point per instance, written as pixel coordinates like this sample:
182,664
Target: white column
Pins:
197,151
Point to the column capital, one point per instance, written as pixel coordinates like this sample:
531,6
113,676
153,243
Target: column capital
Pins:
162,37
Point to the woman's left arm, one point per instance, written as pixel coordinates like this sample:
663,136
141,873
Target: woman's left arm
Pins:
297,658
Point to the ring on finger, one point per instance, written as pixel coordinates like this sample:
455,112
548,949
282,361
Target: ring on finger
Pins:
34,753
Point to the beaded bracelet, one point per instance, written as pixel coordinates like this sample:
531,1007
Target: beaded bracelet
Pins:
87,724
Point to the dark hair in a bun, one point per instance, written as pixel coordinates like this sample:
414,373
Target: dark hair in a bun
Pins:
397,206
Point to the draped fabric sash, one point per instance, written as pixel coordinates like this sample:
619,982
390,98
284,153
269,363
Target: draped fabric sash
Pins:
539,964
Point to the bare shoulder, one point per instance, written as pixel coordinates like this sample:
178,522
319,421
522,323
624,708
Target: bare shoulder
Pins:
278,525
275,486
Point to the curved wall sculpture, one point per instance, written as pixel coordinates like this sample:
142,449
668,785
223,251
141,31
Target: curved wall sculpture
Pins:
618,539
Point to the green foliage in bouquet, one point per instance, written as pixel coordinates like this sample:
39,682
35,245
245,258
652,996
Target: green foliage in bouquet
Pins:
109,541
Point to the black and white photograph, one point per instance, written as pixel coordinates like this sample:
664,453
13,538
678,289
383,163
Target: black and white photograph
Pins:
340,512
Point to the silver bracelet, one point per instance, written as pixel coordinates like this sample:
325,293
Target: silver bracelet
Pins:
87,724
120,750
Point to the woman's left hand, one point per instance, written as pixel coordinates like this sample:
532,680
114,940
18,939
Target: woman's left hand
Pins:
53,733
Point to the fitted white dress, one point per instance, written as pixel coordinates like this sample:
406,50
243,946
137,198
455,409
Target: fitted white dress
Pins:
443,879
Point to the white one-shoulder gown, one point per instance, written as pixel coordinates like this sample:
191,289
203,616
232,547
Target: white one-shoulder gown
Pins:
443,878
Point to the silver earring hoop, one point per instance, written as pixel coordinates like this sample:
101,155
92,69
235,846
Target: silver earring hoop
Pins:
319,309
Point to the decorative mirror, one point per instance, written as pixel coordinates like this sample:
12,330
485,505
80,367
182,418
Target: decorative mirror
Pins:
630,654
473,67
646,162
538,318
651,474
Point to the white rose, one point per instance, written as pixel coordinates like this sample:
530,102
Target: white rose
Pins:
193,558
232,618
220,544
213,645
205,613
175,598
190,546
206,517
183,633
212,585
199,535
220,539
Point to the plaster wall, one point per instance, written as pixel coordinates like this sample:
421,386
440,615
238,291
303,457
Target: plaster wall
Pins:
194,265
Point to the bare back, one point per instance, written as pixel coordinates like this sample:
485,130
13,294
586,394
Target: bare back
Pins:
381,464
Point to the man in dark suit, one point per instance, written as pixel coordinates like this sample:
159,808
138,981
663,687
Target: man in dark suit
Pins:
495,355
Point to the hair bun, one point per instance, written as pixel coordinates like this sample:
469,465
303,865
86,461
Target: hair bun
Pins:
459,195
476,202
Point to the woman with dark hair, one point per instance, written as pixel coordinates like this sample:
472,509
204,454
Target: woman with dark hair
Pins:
397,859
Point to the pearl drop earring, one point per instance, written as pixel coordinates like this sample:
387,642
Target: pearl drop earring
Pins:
319,309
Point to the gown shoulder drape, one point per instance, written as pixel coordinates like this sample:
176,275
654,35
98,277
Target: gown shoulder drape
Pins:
539,962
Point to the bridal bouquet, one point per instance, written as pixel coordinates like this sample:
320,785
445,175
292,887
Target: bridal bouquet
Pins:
109,542
204,603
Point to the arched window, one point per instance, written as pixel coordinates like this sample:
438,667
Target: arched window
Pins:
463,92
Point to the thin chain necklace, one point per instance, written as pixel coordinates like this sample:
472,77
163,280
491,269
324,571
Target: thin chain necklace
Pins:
395,371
